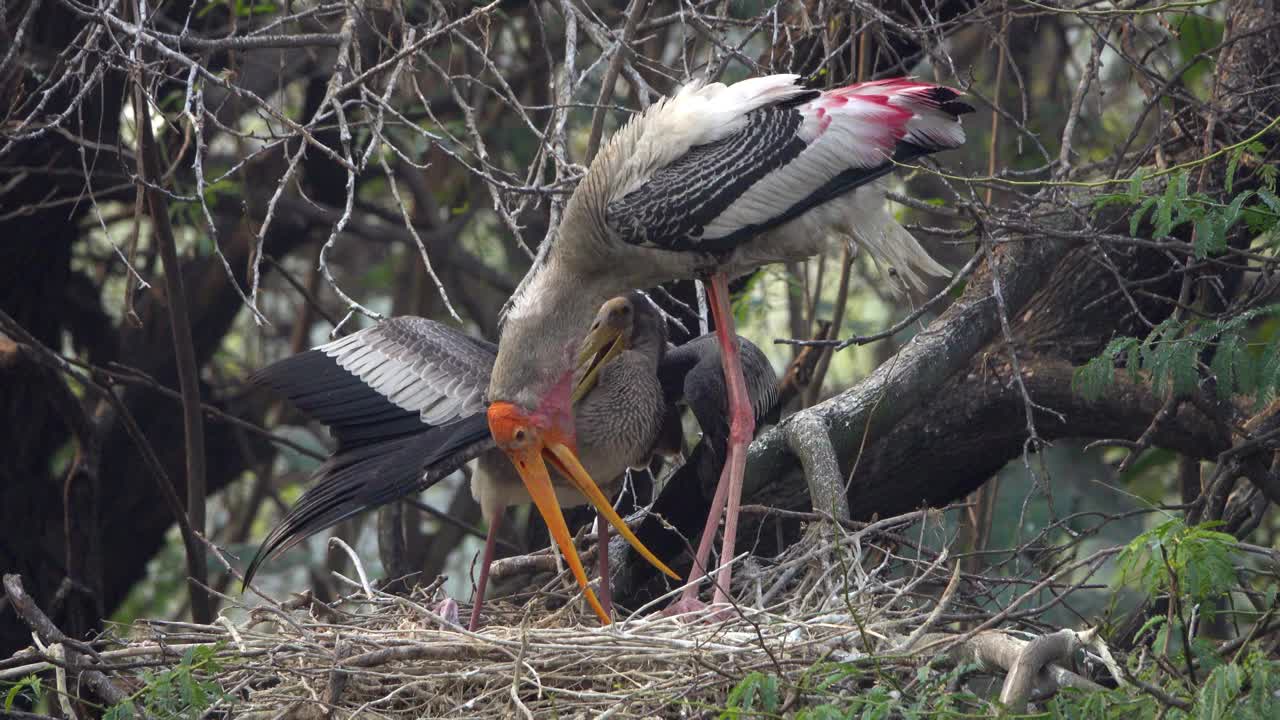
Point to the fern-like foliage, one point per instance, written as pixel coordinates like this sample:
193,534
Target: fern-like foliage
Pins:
185,690
754,695
1198,561
1170,355
1177,205
28,688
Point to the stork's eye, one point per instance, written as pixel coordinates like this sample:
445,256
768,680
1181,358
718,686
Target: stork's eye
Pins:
520,435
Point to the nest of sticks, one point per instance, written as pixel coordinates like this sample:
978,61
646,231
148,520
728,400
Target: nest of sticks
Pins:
840,597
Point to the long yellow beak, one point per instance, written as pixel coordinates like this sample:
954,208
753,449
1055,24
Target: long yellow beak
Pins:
530,452
533,471
567,463
600,346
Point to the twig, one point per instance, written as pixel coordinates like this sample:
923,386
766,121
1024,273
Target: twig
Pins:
837,321
355,560
49,633
184,351
897,327
633,13
943,603
445,517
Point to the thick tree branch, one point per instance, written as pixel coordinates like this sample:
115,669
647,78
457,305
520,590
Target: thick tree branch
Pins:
1034,667
49,633
915,374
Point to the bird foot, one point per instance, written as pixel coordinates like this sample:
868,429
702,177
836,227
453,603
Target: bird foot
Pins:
447,609
694,610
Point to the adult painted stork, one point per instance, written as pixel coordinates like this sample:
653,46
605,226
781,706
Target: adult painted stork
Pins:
709,183
404,401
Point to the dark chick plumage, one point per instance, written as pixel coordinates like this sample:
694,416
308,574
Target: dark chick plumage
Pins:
692,374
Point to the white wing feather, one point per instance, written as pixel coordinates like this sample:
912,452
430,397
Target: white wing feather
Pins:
418,365
696,115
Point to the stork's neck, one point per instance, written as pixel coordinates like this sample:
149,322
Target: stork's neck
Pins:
543,330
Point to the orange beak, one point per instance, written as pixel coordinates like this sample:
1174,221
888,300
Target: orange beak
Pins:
530,447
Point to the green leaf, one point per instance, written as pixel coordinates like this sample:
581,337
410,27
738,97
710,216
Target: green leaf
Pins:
1093,378
1201,560
1107,199
1269,372
822,712
1259,220
1135,184
1208,240
30,682
755,686
1268,174
1263,700
1164,210
1226,365
1150,624
1096,375
1269,198
1218,692
1232,213
1183,372
1197,34
1136,219
123,711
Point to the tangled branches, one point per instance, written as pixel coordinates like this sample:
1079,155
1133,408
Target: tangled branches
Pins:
336,159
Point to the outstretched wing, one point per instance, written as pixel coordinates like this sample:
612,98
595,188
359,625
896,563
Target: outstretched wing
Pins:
404,399
397,377
372,475
772,160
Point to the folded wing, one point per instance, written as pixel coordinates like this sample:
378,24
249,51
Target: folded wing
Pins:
765,155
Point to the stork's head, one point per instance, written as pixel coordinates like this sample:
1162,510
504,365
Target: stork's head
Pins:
531,413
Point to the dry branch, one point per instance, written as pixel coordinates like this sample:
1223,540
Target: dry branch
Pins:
1034,668
188,371
48,633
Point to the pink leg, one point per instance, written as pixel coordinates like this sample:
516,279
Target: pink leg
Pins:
742,424
490,541
742,427
447,609
602,553
689,598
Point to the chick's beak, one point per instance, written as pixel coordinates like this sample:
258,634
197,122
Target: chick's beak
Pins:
600,346
530,448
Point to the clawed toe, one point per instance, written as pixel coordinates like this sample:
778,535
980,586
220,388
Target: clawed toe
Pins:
447,609
694,610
